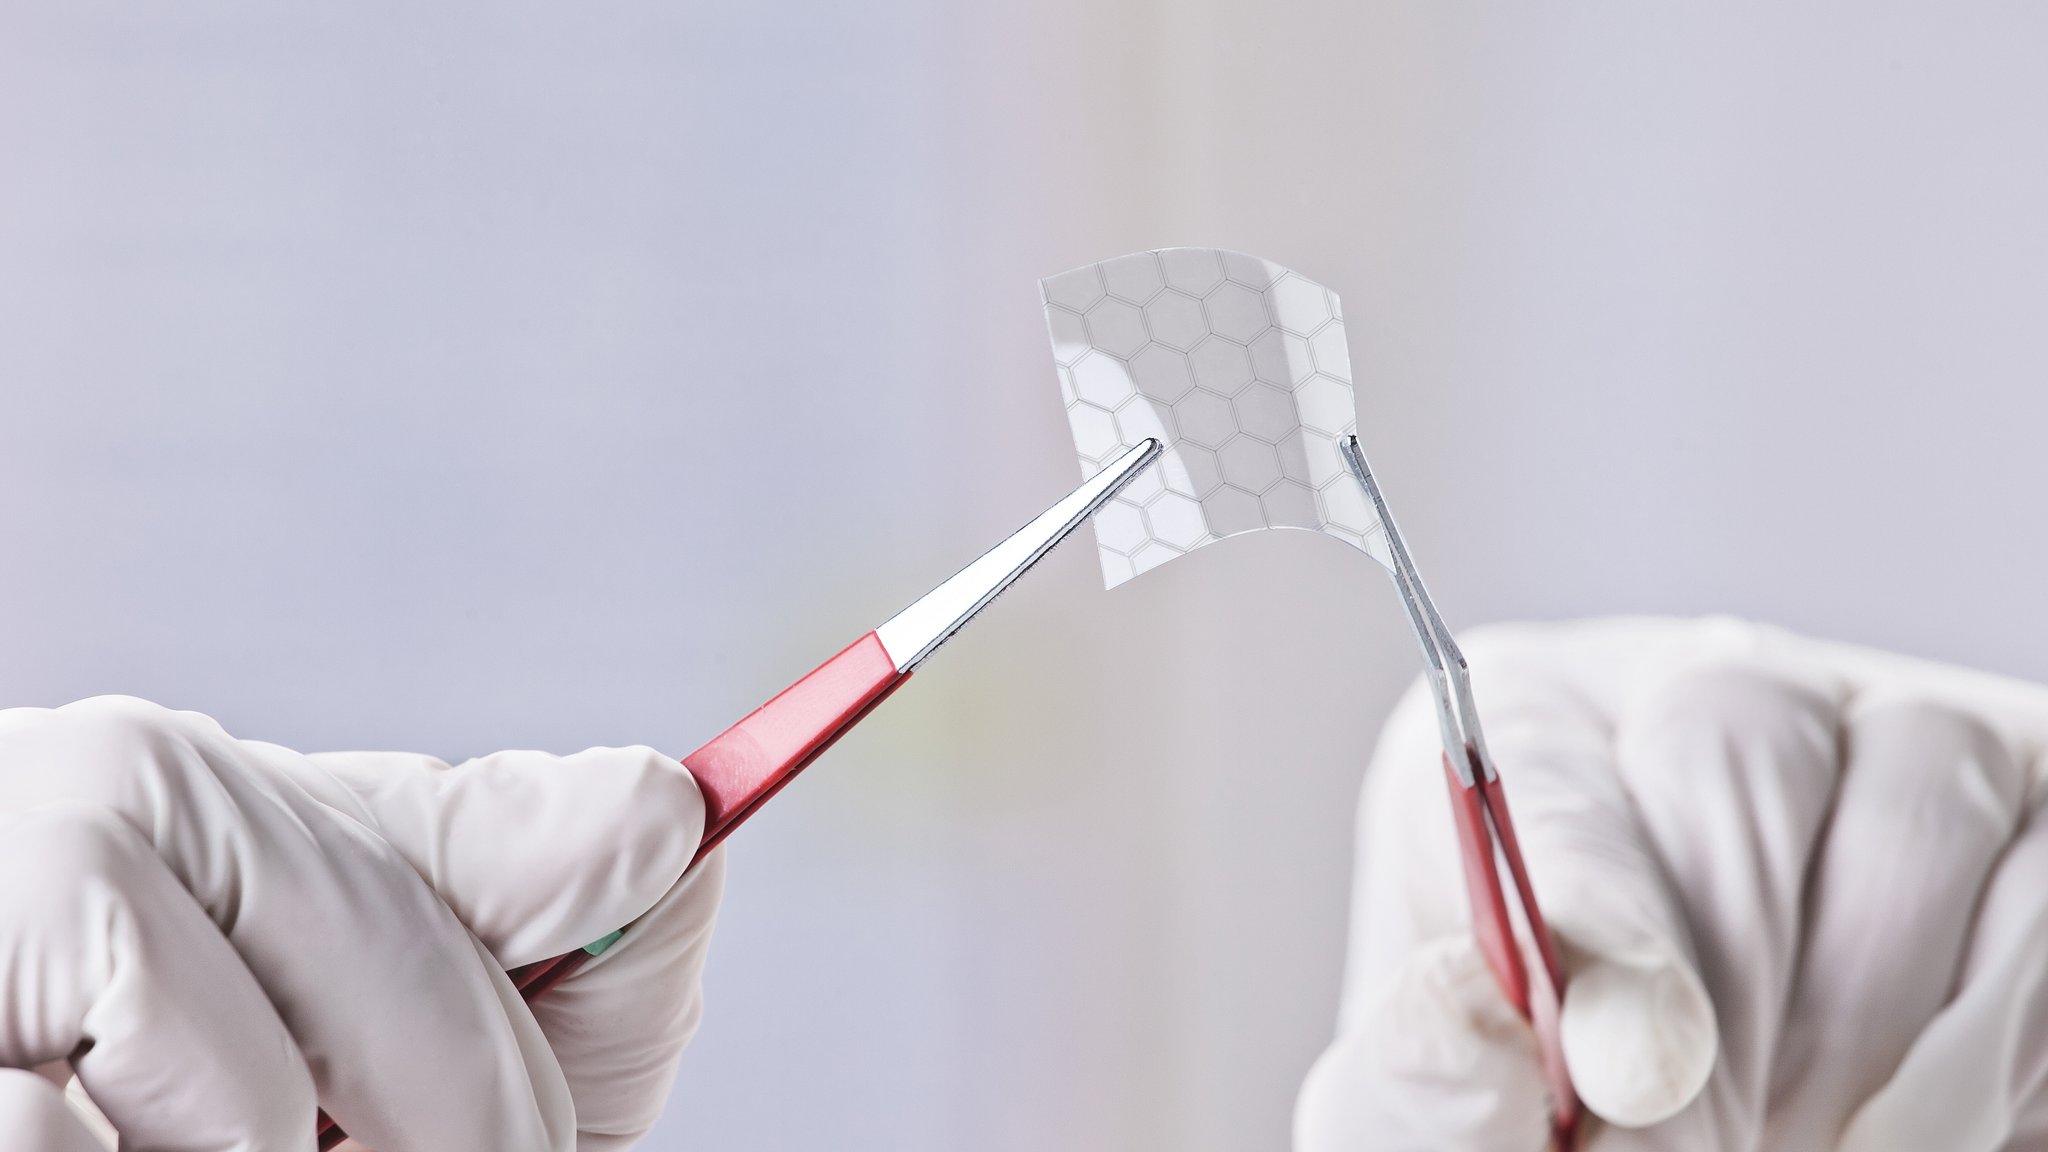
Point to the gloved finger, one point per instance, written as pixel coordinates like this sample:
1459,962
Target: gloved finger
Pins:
1637,1027
538,854
620,1022
1732,772
1984,1057
107,960
415,1038
1929,799
36,1119
541,855
1440,1062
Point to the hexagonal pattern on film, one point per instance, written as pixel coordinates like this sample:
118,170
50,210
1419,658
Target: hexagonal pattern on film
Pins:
1239,367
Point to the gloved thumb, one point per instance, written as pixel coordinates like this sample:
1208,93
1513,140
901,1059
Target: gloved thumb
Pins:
1637,1026
538,854
1438,1061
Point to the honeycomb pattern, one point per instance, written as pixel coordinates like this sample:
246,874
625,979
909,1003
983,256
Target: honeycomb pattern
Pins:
1239,367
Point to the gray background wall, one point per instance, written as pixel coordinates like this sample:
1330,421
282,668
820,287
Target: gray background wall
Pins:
481,374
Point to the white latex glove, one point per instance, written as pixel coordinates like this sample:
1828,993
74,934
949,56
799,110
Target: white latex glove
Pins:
216,933
1802,901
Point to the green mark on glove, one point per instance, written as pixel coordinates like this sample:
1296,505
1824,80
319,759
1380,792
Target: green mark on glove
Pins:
597,947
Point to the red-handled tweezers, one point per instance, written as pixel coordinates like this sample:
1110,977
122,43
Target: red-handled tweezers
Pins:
1479,808
749,762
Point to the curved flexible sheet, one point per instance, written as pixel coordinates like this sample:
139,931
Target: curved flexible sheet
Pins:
1239,367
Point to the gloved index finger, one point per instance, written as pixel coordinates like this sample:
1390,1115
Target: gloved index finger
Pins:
1733,770
538,854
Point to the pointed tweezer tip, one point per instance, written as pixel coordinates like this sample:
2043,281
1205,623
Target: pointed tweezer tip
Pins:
917,631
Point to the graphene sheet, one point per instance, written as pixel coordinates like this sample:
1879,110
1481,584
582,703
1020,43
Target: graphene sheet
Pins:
1239,367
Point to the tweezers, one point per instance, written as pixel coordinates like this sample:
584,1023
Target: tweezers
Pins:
1479,808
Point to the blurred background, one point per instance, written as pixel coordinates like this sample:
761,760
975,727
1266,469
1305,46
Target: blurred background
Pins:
469,375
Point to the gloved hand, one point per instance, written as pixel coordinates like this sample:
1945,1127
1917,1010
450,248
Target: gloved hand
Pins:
1802,903
216,933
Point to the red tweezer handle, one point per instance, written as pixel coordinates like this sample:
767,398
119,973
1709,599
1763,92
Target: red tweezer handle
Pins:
1491,925
746,764
1480,812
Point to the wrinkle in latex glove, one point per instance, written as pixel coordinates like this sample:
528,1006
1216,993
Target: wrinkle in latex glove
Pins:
1239,367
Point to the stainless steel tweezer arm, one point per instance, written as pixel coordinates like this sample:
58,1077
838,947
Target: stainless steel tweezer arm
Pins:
1456,712
917,631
